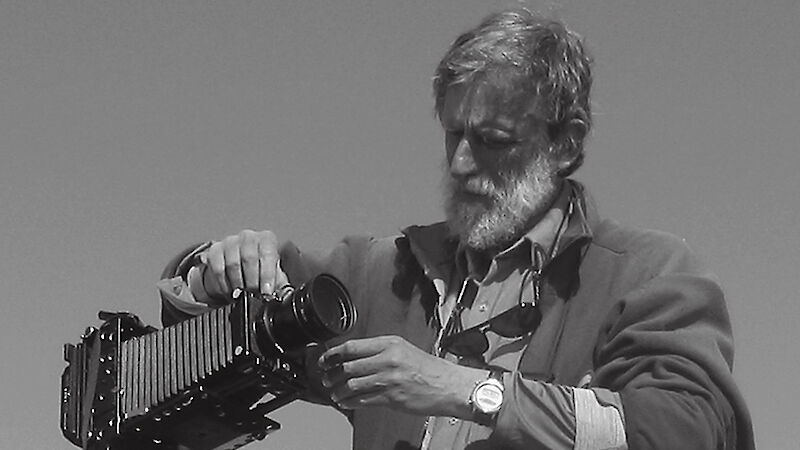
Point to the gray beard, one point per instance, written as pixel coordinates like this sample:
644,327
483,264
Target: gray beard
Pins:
501,212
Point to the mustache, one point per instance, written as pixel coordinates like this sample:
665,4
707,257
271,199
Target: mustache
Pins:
475,185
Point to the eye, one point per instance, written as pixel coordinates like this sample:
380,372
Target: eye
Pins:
495,139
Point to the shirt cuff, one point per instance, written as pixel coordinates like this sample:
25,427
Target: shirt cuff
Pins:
599,420
541,415
176,292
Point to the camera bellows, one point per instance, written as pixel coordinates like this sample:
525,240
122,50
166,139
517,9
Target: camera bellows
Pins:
158,365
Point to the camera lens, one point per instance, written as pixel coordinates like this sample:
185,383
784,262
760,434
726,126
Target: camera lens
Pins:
315,312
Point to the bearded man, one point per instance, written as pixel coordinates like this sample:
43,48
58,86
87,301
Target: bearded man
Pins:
524,320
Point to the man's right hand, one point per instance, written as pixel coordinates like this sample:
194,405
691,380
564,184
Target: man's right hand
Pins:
248,260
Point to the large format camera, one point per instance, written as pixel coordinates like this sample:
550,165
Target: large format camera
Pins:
208,382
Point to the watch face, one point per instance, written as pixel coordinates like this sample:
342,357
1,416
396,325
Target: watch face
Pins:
488,398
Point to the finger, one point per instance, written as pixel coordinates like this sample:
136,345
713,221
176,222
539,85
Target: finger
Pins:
351,369
364,400
249,257
268,260
233,265
356,349
357,392
216,270
281,279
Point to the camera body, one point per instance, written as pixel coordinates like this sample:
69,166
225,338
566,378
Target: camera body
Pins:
208,382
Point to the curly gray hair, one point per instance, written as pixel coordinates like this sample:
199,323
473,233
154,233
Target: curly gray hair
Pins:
549,59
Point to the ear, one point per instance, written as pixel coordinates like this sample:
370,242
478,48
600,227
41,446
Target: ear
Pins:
568,141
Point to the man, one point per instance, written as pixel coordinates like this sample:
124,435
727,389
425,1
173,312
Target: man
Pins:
524,320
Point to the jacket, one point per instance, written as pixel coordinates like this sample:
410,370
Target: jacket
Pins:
624,309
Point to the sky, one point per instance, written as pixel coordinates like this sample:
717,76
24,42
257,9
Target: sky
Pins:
129,130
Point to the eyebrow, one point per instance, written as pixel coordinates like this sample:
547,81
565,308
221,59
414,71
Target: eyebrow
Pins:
467,120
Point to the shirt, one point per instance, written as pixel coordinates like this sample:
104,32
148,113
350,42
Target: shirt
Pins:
505,284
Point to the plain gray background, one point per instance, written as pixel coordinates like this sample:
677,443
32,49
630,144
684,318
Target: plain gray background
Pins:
129,129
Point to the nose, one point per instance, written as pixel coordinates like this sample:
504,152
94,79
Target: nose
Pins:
463,161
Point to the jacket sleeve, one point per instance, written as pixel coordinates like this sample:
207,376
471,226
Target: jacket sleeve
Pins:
538,415
178,303
662,371
663,358
668,350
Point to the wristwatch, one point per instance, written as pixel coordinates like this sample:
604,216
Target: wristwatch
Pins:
487,398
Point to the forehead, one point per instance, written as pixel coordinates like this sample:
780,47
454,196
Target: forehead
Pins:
487,103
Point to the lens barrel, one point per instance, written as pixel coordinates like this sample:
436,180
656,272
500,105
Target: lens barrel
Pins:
318,310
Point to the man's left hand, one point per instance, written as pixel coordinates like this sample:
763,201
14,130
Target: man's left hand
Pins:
390,371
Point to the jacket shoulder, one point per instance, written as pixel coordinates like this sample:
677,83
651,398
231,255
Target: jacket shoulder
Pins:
649,249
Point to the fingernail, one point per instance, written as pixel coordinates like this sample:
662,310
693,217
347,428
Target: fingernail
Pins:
267,289
338,403
343,406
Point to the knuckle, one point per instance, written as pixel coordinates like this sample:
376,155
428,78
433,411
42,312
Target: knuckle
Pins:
394,359
268,239
267,235
395,340
247,240
348,347
268,247
215,247
391,343
248,253
215,259
395,378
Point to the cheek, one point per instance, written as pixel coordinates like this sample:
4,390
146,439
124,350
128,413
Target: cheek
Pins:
520,158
